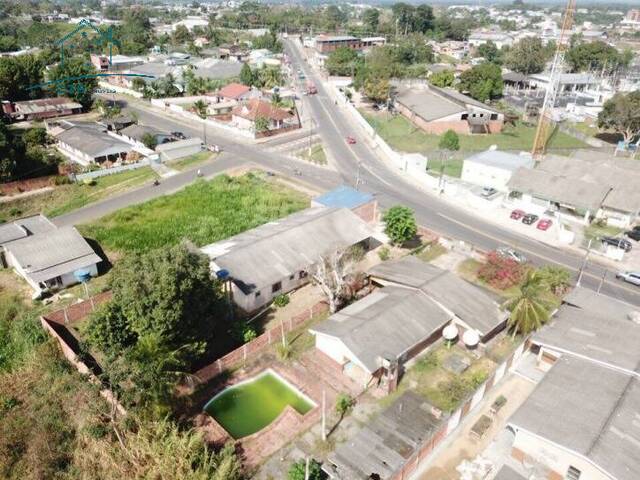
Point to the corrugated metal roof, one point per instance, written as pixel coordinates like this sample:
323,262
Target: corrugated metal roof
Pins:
23,227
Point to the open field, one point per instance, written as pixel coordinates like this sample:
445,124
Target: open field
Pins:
191,161
65,198
403,136
204,212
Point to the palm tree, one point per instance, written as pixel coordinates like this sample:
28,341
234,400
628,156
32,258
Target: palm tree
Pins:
557,279
531,307
201,108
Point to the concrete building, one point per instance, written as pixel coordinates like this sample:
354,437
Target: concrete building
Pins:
493,168
378,334
47,257
40,109
89,144
436,110
278,256
568,82
498,38
135,134
179,149
581,421
328,43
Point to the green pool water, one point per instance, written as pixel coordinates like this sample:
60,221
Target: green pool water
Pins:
250,406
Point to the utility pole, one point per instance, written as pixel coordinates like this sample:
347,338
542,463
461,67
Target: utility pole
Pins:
324,415
306,470
358,174
604,274
586,256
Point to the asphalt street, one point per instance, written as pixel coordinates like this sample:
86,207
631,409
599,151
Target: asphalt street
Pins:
350,162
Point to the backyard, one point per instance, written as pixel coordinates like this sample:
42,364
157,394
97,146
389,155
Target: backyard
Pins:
402,135
64,198
204,212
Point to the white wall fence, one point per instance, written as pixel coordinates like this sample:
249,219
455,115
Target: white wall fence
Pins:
118,89
80,177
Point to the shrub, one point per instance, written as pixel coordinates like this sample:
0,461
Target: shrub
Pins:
501,272
400,224
356,253
281,300
284,351
384,253
298,470
61,180
344,403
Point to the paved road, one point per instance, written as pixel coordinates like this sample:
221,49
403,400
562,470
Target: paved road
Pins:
350,161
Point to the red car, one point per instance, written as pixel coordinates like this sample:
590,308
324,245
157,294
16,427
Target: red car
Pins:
544,224
351,140
518,214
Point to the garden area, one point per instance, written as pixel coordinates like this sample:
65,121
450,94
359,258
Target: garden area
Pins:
67,197
403,136
204,212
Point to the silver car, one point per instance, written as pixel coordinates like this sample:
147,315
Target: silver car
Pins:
511,254
630,277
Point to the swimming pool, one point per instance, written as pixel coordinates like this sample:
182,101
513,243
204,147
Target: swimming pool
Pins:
251,405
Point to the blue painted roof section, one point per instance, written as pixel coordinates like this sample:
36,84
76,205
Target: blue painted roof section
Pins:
344,196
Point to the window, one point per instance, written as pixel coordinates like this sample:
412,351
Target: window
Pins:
573,473
465,116
494,116
291,277
303,274
276,287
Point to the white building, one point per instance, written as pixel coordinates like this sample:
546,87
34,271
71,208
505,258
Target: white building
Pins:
493,168
500,39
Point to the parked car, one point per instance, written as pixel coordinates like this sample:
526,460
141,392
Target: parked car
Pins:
617,242
179,135
633,234
510,253
518,214
529,218
544,224
488,191
630,277
351,140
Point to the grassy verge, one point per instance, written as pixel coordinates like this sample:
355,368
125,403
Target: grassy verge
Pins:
190,161
65,198
204,212
403,136
595,231
452,166
431,252
318,156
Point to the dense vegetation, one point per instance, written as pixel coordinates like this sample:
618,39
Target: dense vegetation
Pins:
203,213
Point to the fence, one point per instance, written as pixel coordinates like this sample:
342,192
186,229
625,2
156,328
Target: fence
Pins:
430,444
109,171
259,344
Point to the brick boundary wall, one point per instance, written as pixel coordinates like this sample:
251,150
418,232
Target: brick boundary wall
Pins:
429,444
259,344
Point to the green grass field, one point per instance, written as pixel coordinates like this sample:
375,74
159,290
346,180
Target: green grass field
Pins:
203,213
64,198
191,161
318,156
403,136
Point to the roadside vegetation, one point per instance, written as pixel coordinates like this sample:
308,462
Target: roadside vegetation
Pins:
204,212
191,161
317,156
65,198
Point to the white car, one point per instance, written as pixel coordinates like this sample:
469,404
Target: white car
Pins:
510,253
631,277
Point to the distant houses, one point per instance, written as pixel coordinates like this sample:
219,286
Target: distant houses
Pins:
47,257
40,109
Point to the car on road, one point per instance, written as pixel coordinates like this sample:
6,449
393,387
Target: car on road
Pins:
633,234
179,135
488,192
510,253
518,214
617,242
529,218
544,224
351,140
630,277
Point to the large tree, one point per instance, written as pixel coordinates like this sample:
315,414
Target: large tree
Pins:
596,55
400,224
531,306
342,61
377,90
371,19
527,56
483,82
622,114
74,78
17,75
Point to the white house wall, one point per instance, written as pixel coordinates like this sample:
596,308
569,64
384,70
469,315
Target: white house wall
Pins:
486,176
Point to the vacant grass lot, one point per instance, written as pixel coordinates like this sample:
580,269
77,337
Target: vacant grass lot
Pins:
191,161
318,156
204,212
64,198
403,136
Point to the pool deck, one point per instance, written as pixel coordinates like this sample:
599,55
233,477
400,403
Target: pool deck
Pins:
312,374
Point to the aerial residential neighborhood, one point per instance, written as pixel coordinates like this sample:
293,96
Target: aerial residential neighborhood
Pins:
320,240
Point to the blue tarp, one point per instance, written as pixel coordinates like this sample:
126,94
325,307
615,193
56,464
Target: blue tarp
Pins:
345,197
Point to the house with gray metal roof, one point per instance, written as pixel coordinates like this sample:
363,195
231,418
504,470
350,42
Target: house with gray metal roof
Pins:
436,110
583,418
592,186
395,323
47,257
89,144
493,168
276,257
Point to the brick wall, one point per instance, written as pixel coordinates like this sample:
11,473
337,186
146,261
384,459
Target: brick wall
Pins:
367,212
19,186
259,344
78,311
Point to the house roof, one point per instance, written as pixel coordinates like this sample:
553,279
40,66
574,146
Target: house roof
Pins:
344,196
589,409
469,303
503,160
266,254
136,131
24,227
233,90
168,146
433,103
383,445
92,141
56,252
46,105
385,324
256,108
211,68
594,326
508,473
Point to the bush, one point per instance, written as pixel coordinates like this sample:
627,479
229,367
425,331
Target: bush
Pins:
242,332
501,272
344,403
61,180
284,351
384,253
400,224
281,300
298,470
